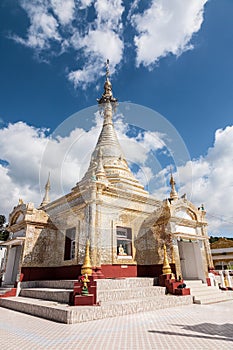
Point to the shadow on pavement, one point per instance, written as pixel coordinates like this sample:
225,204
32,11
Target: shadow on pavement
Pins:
213,331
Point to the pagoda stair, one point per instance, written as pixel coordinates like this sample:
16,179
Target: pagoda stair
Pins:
115,297
203,294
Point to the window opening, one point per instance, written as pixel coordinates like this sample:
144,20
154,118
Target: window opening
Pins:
124,241
69,252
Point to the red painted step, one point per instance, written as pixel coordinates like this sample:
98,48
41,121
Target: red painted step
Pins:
9,293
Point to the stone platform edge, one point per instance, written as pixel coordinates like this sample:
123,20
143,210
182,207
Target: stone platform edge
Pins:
73,314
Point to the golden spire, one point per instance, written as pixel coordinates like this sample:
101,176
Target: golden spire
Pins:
107,95
46,198
173,193
166,267
86,267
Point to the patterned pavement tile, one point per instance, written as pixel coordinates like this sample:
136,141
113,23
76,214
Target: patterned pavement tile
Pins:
190,327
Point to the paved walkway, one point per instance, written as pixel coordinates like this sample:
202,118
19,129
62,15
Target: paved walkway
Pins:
189,327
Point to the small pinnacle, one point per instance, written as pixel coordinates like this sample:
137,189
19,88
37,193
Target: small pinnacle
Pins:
107,95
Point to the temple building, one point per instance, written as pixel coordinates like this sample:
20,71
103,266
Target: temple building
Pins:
222,253
126,226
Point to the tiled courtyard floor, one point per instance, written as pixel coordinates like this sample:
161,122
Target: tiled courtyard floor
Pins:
188,327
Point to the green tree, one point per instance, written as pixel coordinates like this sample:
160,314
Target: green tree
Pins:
4,234
213,239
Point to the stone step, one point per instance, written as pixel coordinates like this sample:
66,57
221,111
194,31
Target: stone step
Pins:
124,283
204,287
8,286
204,293
75,314
59,295
37,307
126,294
63,295
125,307
199,286
56,284
102,284
213,298
194,283
197,289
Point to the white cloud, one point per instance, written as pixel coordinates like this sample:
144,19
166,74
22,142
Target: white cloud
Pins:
207,180
144,175
96,42
65,22
83,77
109,14
64,10
28,153
101,42
94,47
85,3
21,146
137,148
212,182
166,27
159,186
43,25
100,29
152,140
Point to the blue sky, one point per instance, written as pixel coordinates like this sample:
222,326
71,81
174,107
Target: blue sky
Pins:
175,58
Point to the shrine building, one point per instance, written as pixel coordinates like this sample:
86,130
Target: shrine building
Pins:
126,226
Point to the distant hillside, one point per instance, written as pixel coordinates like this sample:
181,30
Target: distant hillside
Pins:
215,239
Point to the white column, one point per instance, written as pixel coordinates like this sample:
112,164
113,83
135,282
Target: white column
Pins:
228,278
212,279
222,284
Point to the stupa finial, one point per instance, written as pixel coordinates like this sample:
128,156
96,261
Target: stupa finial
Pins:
107,95
46,198
173,193
107,69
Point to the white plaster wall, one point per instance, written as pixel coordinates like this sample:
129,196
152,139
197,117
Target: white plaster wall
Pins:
185,229
183,214
2,256
222,250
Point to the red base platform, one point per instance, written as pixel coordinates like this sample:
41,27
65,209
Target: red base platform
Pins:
81,300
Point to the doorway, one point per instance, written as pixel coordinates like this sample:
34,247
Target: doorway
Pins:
12,267
191,260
